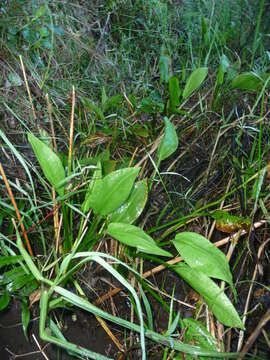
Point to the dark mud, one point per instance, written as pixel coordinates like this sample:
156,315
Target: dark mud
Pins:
79,327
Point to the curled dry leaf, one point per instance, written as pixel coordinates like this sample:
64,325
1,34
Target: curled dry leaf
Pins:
34,297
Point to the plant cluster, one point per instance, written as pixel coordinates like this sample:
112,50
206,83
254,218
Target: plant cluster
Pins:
148,97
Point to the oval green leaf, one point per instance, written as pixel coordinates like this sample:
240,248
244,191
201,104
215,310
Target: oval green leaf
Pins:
112,191
194,81
49,162
133,207
215,298
200,254
169,143
135,237
248,81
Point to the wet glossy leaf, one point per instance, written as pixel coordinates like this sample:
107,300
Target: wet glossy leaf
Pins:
135,237
215,298
174,91
49,162
4,300
133,207
112,191
169,143
97,176
248,81
194,81
197,332
25,317
200,254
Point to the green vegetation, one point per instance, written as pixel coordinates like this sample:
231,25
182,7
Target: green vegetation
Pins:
133,133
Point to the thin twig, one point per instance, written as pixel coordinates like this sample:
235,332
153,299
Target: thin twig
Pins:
40,348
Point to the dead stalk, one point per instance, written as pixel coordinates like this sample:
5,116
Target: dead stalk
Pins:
71,130
16,209
28,92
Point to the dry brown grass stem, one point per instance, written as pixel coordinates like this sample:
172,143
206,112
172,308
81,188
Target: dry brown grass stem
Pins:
28,92
10,193
110,334
71,130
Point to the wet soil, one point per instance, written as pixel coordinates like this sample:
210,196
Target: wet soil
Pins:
83,329
79,327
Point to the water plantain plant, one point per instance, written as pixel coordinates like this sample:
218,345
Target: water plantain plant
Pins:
109,206
115,201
